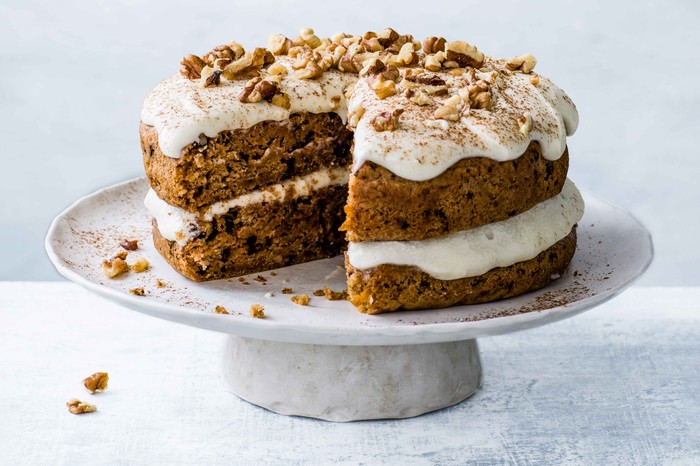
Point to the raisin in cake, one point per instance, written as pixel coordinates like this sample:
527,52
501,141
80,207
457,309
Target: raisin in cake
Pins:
447,177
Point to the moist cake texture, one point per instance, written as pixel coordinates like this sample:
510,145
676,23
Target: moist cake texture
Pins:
441,170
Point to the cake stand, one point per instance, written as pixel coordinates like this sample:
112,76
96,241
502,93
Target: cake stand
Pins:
326,360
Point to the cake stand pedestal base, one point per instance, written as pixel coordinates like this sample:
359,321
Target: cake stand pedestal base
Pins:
352,383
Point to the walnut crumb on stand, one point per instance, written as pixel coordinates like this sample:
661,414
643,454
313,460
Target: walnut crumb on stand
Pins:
302,300
138,291
257,311
221,310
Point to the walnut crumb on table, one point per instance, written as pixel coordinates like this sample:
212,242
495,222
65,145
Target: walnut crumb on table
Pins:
76,406
138,291
302,300
97,382
257,311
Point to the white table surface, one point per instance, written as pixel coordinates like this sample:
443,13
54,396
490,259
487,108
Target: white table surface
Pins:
617,385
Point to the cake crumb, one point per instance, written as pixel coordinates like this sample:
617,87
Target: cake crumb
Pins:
335,295
302,300
260,279
319,293
160,283
221,310
287,291
241,279
97,382
138,291
246,283
273,274
76,406
257,311
129,244
140,265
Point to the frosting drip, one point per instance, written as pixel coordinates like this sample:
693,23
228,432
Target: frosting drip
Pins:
423,147
178,225
475,251
181,109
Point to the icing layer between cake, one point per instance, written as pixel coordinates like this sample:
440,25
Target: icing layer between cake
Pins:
474,252
178,225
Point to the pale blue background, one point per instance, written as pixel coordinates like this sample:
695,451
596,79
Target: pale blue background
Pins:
73,74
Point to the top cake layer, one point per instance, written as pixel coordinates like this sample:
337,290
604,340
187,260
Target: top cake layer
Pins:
415,112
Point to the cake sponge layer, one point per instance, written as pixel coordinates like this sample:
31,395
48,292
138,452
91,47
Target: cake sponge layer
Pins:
261,237
244,160
391,287
473,192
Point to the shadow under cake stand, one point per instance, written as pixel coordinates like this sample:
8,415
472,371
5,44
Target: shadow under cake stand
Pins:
326,360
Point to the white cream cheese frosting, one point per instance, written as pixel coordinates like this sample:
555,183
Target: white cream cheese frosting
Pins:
475,251
424,147
178,225
181,109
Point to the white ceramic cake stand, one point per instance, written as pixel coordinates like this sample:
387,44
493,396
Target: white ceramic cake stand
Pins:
326,360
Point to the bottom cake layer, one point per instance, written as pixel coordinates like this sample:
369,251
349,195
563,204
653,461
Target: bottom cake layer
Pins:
261,237
391,287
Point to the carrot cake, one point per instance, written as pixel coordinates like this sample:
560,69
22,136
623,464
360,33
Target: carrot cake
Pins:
439,170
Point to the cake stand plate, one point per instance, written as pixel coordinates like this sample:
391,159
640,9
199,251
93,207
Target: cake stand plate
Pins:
326,360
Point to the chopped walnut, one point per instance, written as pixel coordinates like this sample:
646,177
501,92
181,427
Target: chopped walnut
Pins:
525,63
191,66
525,123
97,382
129,245
115,266
311,39
277,69
121,255
406,56
354,116
278,44
225,52
318,293
287,291
257,311
281,100
221,310
335,295
249,64
451,110
535,79
434,62
138,291
463,54
140,265
420,97
161,283
387,121
302,300
310,64
214,79
434,44
258,89
76,406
